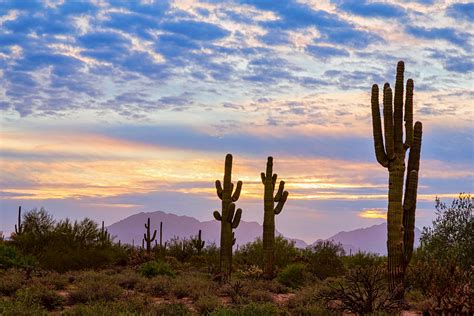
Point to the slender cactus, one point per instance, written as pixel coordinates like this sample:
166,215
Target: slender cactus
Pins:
147,237
229,217
104,235
198,243
400,216
269,180
19,228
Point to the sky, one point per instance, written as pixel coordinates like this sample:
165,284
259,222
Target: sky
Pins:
109,108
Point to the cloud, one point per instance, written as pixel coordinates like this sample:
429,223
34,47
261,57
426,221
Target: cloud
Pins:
462,11
372,9
448,34
373,213
200,31
325,52
293,15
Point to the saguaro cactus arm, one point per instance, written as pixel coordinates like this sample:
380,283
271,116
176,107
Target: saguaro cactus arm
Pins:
388,121
281,203
217,215
377,128
236,194
409,114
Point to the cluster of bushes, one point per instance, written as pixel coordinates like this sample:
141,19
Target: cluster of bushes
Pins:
318,280
62,245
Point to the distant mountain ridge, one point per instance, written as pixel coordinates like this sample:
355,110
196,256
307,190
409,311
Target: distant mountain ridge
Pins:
130,230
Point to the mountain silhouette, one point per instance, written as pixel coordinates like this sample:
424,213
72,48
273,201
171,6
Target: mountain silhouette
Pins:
130,230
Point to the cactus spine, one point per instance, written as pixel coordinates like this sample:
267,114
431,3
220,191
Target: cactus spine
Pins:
19,227
229,217
198,243
269,180
401,209
147,237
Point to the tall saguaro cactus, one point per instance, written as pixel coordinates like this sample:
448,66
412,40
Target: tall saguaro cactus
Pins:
147,237
229,217
401,207
269,180
19,227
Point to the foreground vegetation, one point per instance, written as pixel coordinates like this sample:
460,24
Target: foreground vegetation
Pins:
74,268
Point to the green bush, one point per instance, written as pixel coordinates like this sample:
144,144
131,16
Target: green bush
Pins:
127,279
363,259
192,286
66,245
39,294
293,275
11,281
132,305
157,286
325,259
153,268
95,287
252,253
16,308
181,249
252,309
52,279
10,257
174,309
207,304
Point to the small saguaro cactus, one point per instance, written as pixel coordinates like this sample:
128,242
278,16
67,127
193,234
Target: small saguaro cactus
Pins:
229,217
269,180
19,228
401,209
104,235
148,237
198,243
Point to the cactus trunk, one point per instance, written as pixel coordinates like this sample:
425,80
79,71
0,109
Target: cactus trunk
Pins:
269,181
148,237
401,205
229,217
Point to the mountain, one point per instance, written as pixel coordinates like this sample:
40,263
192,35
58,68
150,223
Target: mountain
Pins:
131,229
370,239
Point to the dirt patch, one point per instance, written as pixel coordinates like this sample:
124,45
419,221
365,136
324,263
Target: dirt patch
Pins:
282,299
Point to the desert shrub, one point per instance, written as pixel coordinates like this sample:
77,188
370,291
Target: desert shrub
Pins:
95,287
252,253
52,279
237,290
252,309
157,286
259,296
174,309
11,281
180,248
362,291
131,305
15,308
39,294
293,275
66,245
127,279
206,304
325,259
363,259
251,272
10,257
306,296
447,287
450,239
211,255
153,268
193,286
